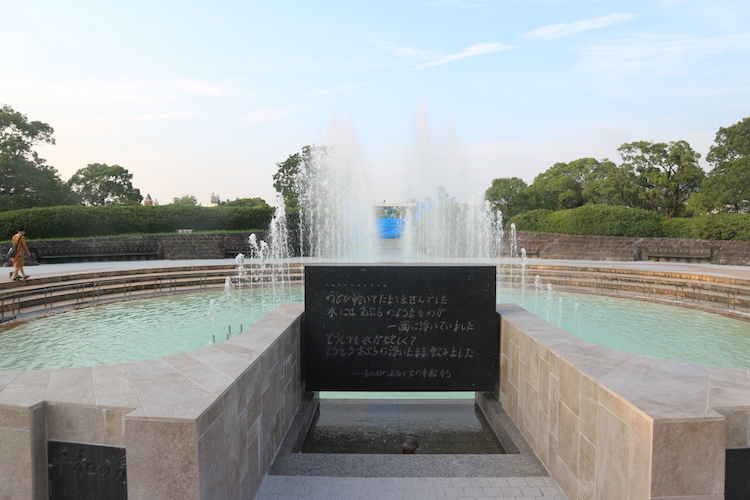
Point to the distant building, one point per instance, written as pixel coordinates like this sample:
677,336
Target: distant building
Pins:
213,200
148,201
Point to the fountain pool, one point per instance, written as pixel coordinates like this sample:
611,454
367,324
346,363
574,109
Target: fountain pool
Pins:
161,326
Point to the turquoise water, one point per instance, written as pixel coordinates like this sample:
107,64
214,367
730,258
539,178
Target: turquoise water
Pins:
155,327
648,328
137,329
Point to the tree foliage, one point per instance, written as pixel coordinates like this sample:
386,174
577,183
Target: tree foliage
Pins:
101,184
25,179
561,186
727,187
293,173
667,174
508,195
244,202
610,184
187,200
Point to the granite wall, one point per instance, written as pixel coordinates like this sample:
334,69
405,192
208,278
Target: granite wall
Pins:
545,246
610,424
167,247
205,424
581,247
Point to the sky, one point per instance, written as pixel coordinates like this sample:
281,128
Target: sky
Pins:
206,97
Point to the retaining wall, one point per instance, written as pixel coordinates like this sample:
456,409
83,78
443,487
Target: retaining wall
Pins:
582,247
167,247
546,246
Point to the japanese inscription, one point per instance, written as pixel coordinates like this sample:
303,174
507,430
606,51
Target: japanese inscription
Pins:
79,471
398,327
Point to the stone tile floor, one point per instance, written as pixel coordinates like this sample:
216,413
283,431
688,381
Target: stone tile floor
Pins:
380,488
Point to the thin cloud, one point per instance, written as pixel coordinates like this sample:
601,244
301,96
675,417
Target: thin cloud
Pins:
154,117
269,115
408,52
336,90
554,31
475,50
456,3
655,56
197,87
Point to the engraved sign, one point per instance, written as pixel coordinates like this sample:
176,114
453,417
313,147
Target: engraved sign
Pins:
80,471
737,474
400,328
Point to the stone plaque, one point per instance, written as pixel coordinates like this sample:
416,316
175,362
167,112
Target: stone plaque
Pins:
80,471
400,328
737,477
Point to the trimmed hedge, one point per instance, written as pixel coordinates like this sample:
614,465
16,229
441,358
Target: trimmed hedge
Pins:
599,220
606,220
710,227
86,222
682,227
533,221
723,227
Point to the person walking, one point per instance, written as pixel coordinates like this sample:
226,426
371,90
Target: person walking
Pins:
22,249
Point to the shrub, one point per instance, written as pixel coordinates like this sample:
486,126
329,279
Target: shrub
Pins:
724,227
607,220
533,221
599,220
85,222
682,227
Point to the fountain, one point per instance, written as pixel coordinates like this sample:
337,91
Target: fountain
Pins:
573,399
438,223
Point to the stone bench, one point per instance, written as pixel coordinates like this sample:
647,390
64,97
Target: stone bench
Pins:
97,253
677,254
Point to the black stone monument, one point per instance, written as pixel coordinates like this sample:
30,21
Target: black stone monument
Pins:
86,471
400,328
737,474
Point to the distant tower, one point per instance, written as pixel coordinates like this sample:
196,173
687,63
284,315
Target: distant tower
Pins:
148,201
214,200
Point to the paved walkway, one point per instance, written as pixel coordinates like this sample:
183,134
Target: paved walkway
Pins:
87,267
380,488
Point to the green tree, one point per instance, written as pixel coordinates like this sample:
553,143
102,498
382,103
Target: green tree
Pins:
244,202
727,187
187,200
667,174
293,173
562,186
26,181
508,195
101,184
610,184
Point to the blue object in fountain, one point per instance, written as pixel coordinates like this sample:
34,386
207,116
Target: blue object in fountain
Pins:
390,228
